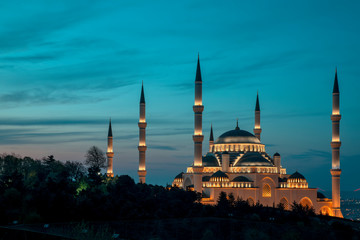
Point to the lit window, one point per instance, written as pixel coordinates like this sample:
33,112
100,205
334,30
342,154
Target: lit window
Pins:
266,191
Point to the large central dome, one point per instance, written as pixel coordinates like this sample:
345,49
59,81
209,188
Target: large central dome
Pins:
237,136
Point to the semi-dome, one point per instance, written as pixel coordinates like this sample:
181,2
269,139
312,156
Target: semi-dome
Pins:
210,160
219,176
237,136
241,179
179,176
253,159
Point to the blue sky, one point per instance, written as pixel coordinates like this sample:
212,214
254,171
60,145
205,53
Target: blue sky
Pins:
66,67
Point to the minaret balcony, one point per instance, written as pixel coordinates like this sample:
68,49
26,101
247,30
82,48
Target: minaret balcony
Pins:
142,173
198,138
142,148
110,154
335,144
335,117
335,172
142,124
198,108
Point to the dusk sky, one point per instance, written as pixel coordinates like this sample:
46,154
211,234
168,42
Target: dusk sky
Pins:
66,67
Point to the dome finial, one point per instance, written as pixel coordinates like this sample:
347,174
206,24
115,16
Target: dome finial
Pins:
237,124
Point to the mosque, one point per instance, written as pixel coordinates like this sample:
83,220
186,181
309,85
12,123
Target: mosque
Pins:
238,163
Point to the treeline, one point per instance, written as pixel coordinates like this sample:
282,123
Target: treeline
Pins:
48,190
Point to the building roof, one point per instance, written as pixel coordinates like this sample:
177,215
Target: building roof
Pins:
253,159
179,176
320,195
210,160
237,136
296,175
277,154
283,179
241,179
206,178
219,174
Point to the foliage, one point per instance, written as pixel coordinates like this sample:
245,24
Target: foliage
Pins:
95,158
48,191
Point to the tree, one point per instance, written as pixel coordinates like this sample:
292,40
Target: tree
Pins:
95,158
76,170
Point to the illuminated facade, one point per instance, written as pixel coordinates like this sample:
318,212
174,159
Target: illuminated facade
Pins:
238,163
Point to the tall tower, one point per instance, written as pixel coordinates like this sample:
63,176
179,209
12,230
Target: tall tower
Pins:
257,128
335,145
110,153
211,139
198,137
142,134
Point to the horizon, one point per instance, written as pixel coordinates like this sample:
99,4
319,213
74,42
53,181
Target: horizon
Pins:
67,68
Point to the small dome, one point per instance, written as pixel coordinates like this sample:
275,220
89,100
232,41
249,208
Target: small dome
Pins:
210,160
219,176
179,176
241,179
253,159
296,175
225,152
237,136
276,154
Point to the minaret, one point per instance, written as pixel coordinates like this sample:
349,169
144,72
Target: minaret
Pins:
110,153
142,143
257,128
211,139
198,137
335,145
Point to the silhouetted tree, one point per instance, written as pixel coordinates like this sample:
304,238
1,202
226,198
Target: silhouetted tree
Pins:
95,158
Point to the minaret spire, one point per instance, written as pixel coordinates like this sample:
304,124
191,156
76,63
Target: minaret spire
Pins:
257,127
211,139
110,152
198,137
142,97
335,145
142,138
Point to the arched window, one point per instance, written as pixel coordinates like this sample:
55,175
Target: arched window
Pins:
306,202
285,203
266,191
325,211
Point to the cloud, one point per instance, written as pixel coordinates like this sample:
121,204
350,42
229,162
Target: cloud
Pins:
32,136
44,96
310,154
36,25
33,58
162,147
